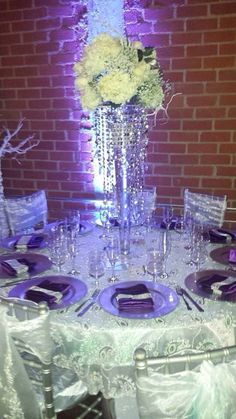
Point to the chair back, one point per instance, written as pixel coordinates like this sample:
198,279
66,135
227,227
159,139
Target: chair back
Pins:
192,386
26,213
4,224
25,327
207,210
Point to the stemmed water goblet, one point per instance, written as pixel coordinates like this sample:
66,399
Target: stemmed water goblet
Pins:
58,246
113,253
96,265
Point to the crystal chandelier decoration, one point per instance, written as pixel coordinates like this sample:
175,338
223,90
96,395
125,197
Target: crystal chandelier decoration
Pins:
121,142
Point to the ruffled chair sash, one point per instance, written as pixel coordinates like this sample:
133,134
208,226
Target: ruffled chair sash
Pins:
206,393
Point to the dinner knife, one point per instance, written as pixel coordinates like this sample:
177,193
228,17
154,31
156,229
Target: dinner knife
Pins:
87,301
86,308
192,300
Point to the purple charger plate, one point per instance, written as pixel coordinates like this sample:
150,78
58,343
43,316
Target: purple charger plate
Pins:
77,290
85,227
42,263
9,242
191,282
221,255
165,300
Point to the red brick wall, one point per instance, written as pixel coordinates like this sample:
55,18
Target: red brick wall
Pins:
195,42
196,46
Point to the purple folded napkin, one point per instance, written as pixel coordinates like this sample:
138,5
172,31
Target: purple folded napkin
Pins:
30,242
14,267
136,298
232,255
39,296
54,292
216,284
28,263
221,236
55,286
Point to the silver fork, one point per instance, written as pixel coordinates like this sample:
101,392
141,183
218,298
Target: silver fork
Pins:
185,294
180,292
89,300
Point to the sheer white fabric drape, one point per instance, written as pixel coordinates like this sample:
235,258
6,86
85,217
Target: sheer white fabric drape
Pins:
205,209
19,401
22,214
206,393
26,212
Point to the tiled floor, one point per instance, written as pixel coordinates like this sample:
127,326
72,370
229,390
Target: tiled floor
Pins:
81,411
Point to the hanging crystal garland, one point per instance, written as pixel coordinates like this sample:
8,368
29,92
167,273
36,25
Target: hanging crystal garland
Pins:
116,129
121,142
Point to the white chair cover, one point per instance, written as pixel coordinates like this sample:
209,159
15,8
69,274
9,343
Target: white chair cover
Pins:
208,210
18,400
205,393
22,214
4,225
68,389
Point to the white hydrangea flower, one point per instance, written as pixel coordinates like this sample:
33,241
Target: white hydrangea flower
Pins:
117,71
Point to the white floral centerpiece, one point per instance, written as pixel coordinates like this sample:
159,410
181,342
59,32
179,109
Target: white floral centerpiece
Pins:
115,71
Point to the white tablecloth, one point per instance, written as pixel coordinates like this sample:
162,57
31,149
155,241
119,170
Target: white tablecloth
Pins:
98,347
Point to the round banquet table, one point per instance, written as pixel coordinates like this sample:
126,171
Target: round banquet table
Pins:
98,346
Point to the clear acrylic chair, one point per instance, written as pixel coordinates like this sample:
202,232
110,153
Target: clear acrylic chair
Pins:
24,214
204,209
194,386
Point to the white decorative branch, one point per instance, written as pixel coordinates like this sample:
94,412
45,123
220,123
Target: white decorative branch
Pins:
19,148
7,147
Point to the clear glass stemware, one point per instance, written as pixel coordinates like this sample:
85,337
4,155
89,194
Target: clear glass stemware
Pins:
168,215
153,266
73,249
165,250
96,265
104,214
113,253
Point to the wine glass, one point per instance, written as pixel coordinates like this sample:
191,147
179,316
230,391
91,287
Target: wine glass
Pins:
73,247
113,253
96,266
149,202
154,260
167,215
137,215
179,226
164,246
104,218
57,240
58,254
198,247
73,222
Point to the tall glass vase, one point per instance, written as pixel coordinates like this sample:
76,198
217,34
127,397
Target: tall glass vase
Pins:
123,197
121,141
